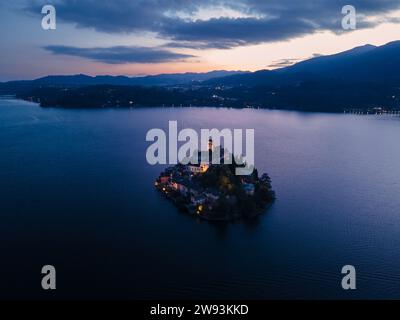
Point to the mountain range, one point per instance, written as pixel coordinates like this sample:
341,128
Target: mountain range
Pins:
151,80
364,63
363,77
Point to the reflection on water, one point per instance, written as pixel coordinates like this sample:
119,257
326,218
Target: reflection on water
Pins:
77,192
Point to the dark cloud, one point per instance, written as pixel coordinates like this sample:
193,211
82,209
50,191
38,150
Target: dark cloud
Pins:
118,16
120,54
275,20
283,63
229,32
262,21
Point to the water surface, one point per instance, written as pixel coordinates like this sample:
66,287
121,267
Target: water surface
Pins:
76,192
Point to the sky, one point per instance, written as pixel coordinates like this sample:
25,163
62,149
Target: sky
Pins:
140,37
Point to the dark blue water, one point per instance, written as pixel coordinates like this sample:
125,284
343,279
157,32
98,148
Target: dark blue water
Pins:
76,192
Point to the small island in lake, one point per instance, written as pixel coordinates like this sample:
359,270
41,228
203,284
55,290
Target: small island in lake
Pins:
213,191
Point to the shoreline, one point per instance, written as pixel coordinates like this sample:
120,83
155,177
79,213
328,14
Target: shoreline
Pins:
256,214
13,97
214,191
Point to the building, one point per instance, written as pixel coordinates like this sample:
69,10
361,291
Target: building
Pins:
164,179
205,159
198,168
212,195
248,188
180,186
197,200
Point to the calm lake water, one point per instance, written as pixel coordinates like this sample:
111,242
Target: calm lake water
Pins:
76,192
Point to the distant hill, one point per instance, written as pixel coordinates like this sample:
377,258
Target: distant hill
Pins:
366,63
85,80
152,80
365,77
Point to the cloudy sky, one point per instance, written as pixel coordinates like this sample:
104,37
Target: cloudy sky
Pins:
137,37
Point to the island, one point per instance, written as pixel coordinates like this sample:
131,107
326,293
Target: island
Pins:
213,191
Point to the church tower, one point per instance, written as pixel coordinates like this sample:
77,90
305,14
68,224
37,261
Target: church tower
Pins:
210,145
210,150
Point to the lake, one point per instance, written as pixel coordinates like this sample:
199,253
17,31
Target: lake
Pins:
76,192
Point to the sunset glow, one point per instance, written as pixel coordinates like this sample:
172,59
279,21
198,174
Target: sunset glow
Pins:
30,52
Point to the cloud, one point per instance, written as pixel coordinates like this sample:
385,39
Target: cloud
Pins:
117,16
283,63
203,45
120,54
185,23
233,32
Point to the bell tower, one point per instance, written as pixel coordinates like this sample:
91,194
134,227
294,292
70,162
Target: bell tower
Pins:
210,145
210,150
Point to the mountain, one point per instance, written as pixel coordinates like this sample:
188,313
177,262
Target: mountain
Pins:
362,64
328,64
152,80
365,63
365,77
85,80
